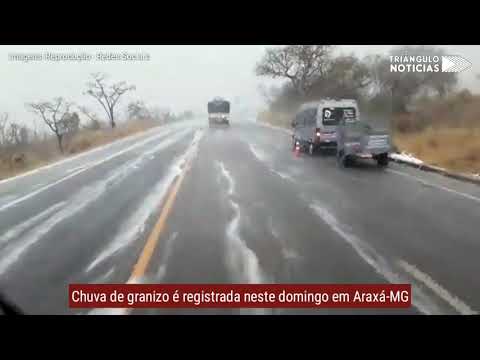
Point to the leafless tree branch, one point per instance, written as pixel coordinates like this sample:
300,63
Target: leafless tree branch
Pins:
53,114
107,95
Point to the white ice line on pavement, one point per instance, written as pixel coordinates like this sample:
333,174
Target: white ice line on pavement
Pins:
46,187
76,203
259,154
19,229
283,175
421,301
242,261
135,224
287,253
262,157
467,196
226,175
86,153
441,292
12,252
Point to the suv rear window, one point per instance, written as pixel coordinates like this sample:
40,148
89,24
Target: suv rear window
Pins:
332,116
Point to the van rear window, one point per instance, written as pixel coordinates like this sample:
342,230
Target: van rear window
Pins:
332,116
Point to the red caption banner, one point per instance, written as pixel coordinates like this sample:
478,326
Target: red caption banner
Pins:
239,296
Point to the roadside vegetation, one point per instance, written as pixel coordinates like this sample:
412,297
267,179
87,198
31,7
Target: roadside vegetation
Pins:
70,128
429,117
443,132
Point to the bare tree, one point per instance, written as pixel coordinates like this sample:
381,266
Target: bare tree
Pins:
53,114
85,111
24,135
346,77
94,124
159,114
301,64
107,95
70,123
3,129
267,94
137,110
14,134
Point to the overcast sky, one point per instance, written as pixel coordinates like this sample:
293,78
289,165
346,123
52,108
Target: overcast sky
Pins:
178,77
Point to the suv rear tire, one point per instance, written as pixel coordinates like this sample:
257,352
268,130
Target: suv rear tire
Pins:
382,160
344,160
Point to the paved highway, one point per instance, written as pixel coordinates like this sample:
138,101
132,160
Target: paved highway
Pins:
242,208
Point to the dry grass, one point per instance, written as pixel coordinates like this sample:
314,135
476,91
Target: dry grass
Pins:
444,133
87,139
459,110
276,118
457,149
45,152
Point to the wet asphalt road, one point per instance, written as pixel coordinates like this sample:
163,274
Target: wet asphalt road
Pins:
248,211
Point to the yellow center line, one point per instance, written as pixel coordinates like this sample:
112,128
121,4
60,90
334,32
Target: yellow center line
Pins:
141,266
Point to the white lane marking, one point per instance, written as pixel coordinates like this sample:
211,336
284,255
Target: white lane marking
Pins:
77,168
84,154
167,252
242,261
80,200
19,229
135,164
7,198
441,292
11,253
467,196
36,192
42,189
420,300
134,226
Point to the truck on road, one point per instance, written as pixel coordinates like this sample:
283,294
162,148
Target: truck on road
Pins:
218,112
